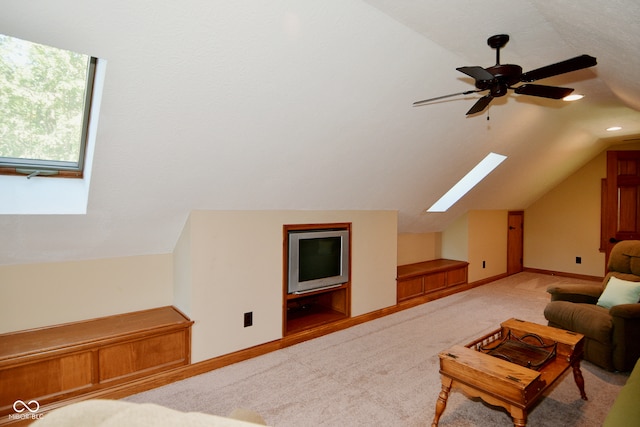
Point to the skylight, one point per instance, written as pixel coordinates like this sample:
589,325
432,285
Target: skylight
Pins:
462,187
45,103
48,127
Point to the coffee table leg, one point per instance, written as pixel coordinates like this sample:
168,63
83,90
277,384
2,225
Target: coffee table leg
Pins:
519,417
577,375
441,403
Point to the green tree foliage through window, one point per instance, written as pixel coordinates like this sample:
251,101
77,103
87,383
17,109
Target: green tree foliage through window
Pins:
44,104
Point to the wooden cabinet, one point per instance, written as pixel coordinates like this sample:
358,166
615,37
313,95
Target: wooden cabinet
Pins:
436,278
60,362
306,311
315,309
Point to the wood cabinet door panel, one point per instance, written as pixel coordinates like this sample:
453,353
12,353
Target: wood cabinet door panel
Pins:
142,356
627,210
435,281
410,288
457,277
44,380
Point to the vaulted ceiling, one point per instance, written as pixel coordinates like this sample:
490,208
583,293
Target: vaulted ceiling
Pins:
300,104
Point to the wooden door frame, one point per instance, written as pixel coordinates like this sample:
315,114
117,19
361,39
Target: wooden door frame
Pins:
611,213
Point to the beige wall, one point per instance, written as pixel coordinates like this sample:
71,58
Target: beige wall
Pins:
236,266
183,270
455,239
488,243
565,224
475,237
224,264
216,276
52,293
418,247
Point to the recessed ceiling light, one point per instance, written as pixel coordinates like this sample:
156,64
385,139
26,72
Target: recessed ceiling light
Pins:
467,182
614,128
573,97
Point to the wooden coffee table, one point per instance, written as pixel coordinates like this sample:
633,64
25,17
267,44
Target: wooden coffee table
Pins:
505,383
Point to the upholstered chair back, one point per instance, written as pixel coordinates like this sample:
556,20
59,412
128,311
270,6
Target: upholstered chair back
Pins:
624,261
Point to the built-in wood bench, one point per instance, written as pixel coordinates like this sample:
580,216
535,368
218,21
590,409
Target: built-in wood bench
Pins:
59,362
431,279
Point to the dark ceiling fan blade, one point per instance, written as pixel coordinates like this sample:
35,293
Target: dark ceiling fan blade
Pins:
480,105
553,92
478,73
573,64
426,101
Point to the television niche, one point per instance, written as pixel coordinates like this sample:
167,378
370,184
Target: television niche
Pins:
318,259
316,275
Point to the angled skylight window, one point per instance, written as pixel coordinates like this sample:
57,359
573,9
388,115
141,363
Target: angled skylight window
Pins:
45,99
462,187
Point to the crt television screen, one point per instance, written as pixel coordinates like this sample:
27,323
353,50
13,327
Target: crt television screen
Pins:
319,258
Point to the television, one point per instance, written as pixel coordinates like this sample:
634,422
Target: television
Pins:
317,259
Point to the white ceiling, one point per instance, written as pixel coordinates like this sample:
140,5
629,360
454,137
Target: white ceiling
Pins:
303,104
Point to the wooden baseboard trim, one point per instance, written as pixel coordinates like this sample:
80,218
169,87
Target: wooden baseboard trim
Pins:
488,280
261,349
563,274
177,374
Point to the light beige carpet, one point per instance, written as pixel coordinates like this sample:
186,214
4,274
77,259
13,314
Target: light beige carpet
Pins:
385,372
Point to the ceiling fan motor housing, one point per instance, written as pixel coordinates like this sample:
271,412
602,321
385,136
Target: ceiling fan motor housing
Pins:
505,75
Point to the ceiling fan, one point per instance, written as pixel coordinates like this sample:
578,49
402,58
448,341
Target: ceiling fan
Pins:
499,78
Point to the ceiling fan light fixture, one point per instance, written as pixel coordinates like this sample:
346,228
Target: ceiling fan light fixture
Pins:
573,97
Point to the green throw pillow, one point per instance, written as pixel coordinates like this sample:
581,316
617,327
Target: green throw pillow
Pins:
618,292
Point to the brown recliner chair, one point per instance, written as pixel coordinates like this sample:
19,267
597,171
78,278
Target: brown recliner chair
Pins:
612,335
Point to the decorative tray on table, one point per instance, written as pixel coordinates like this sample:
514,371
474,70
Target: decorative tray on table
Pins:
528,350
